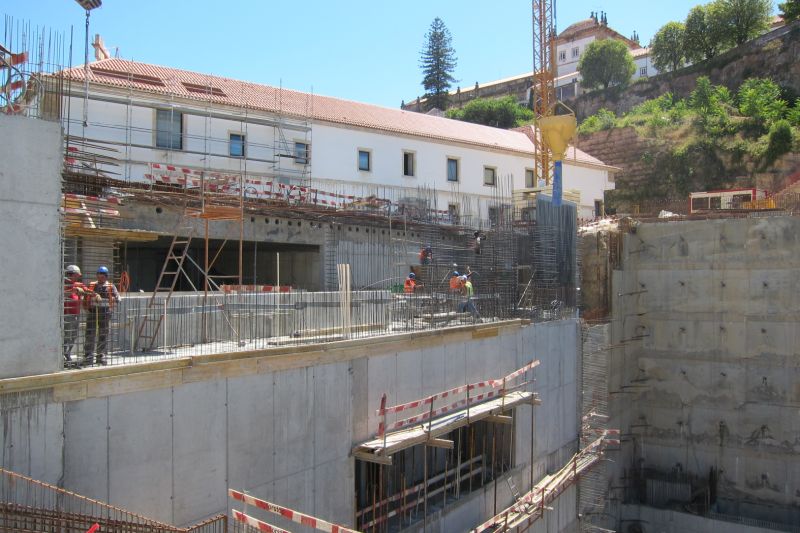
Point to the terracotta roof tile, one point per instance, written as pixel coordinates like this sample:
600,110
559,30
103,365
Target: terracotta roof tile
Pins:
186,84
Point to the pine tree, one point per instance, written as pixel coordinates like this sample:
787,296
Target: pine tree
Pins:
438,61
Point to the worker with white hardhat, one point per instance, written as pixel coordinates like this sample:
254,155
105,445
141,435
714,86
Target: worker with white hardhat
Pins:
74,291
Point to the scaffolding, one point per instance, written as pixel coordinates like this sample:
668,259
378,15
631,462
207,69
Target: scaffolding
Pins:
594,484
201,194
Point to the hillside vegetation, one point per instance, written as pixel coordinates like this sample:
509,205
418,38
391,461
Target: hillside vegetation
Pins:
709,139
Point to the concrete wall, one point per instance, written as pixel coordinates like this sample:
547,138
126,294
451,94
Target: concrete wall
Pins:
167,440
706,317
30,171
654,520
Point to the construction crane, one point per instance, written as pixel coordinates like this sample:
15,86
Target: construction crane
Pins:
554,131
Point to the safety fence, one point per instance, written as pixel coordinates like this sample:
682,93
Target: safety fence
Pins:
195,323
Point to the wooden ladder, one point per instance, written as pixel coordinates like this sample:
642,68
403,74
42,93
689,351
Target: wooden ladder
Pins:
167,279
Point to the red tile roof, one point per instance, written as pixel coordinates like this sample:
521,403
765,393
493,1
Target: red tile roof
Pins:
185,84
190,85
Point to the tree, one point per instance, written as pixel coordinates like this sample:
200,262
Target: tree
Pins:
760,100
745,19
497,112
606,62
704,32
790,10
667,47
438,61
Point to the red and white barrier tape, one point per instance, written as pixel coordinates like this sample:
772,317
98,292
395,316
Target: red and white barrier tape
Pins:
436,412
463,388
256,523
289,514
79,197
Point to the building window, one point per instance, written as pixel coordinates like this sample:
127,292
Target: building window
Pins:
452,212
643,72
408,163
576,52
452,169
301,154
364,160
493,216
562,55
236,145
169,129
489,176
529,178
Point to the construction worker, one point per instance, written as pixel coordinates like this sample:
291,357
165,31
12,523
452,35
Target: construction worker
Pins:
479,238
426,255
411,284
455,282
468,292
74,291
99,302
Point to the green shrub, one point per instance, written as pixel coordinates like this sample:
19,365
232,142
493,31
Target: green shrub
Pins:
496,112
602,120
760,100
780,141
793,114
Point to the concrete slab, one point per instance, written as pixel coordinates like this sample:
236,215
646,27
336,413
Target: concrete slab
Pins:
334,491
199,448
86,448
33,436
140,453
250,421
294,421
332,428
31,153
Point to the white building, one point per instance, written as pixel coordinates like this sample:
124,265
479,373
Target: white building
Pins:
572,43
292,142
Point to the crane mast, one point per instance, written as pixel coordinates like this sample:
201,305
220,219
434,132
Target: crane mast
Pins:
543,95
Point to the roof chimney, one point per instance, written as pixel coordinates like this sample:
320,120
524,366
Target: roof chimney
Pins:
100,51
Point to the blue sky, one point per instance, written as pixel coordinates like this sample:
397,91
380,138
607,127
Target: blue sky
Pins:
366,51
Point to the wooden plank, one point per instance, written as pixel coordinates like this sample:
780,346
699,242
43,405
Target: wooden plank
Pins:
419,434
485,333
501,419
372,458
440,443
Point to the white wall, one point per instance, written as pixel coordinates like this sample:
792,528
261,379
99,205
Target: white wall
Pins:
590,182
570,64
30,173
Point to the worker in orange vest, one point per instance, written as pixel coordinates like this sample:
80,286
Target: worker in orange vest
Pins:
411,284
99,303
455,283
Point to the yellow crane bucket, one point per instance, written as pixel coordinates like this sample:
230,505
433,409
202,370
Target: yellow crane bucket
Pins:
557,131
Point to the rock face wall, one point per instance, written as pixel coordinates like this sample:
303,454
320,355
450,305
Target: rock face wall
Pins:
704,376
773,55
